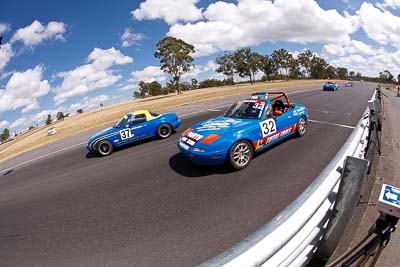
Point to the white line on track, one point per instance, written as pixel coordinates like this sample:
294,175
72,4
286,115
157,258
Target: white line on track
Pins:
328,112
334,124
215,109
43,156
204,110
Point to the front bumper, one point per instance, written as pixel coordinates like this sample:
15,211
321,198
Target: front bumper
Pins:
202,158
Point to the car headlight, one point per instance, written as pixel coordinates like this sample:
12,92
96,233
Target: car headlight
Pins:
200,150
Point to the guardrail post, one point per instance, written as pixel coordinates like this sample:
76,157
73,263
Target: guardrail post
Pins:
353,175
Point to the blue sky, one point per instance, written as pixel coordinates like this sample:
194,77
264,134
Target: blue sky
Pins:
65,55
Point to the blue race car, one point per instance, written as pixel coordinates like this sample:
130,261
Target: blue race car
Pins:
330,86
249,126
139,125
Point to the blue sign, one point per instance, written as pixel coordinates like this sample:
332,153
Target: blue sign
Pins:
391,194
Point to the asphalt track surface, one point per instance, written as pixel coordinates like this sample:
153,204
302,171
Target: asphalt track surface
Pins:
145,205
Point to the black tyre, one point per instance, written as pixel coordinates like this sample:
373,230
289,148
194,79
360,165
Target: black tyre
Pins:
240,155
164,130
104,148
301,126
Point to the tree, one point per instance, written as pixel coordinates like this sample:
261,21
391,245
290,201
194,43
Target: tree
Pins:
358,75
352,74
226,65
5,135
31,127
143,90
175,58
318,67
79,111
294,69
185,86
247,63
283,59
49,120
386,76
155,88
331,72
195,84
148,89
60,115
342,73
268,66
305,60
398,77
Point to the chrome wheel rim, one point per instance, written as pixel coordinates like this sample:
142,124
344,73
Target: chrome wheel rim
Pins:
302,126
241,154
104,148
164,131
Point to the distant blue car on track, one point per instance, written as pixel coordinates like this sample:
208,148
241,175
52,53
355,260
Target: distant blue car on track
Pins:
139,125
330,86
249,126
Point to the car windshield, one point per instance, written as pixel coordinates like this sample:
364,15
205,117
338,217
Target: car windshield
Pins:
124,121
250,109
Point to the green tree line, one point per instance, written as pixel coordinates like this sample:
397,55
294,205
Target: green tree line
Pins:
176,59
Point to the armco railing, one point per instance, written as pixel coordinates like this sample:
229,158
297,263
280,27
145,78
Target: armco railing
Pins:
292,237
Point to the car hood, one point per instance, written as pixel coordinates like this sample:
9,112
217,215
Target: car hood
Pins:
103,133
220,125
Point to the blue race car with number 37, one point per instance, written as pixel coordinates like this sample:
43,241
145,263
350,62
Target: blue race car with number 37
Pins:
139,125
249,126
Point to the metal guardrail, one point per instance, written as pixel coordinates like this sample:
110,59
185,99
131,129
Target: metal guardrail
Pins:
292,237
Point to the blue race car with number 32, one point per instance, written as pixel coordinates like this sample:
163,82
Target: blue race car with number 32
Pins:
139,125
249,126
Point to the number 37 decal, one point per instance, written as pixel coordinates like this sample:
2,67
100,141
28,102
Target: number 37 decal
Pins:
268,127
125,134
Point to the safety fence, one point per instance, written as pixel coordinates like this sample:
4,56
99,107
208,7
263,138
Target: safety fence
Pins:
314,222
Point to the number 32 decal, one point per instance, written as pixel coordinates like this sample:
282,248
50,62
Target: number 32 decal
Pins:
268,127
125,134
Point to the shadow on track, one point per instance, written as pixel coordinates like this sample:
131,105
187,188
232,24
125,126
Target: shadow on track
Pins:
182,166
8,172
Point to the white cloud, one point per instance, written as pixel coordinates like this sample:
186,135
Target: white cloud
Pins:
23,90
89,103
202,69
129,38
391,3
380,25
370,65
94,75
129,86
36,33
4,27
252,22
148,74
4,124
38,118
170,11
352,47
30,36
331,50
6,53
